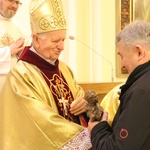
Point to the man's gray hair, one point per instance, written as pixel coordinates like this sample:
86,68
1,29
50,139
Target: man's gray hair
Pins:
136,32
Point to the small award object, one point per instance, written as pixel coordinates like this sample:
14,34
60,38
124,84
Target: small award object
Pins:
93,109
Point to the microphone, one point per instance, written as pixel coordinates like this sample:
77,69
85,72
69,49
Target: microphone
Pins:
112,70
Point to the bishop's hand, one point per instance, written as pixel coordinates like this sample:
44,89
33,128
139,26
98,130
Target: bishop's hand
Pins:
78,106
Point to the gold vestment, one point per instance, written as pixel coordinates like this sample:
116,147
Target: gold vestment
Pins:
111,102
29,117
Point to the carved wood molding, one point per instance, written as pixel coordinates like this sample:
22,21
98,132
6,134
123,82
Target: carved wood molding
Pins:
123,17
125,13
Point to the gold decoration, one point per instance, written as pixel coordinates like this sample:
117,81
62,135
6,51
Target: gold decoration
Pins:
6,40
46,15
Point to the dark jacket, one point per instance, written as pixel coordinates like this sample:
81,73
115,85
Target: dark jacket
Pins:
131,126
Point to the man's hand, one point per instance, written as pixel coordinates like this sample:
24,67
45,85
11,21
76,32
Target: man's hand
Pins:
17,47
92,124
78,106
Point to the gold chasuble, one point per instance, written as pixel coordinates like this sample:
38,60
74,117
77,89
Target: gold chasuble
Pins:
111,102
34,105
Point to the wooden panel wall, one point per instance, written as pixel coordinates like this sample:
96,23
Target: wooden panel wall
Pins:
100,88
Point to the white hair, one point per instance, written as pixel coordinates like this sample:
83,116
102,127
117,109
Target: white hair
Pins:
136,32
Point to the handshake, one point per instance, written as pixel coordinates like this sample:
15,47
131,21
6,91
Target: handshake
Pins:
93,109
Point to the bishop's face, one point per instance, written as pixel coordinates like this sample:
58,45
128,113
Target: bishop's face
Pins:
8,8
51,44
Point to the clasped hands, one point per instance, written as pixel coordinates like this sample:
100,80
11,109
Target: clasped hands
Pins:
17,47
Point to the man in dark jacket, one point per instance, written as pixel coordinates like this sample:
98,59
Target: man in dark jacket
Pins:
131,126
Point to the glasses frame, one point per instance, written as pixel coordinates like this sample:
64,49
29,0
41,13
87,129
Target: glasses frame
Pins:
14,1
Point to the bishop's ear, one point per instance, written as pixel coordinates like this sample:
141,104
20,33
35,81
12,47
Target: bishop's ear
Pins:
35,39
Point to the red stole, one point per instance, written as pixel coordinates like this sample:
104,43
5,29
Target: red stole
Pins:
56,82
54,79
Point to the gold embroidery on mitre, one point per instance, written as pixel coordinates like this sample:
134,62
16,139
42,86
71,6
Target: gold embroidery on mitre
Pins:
46,15
6,40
